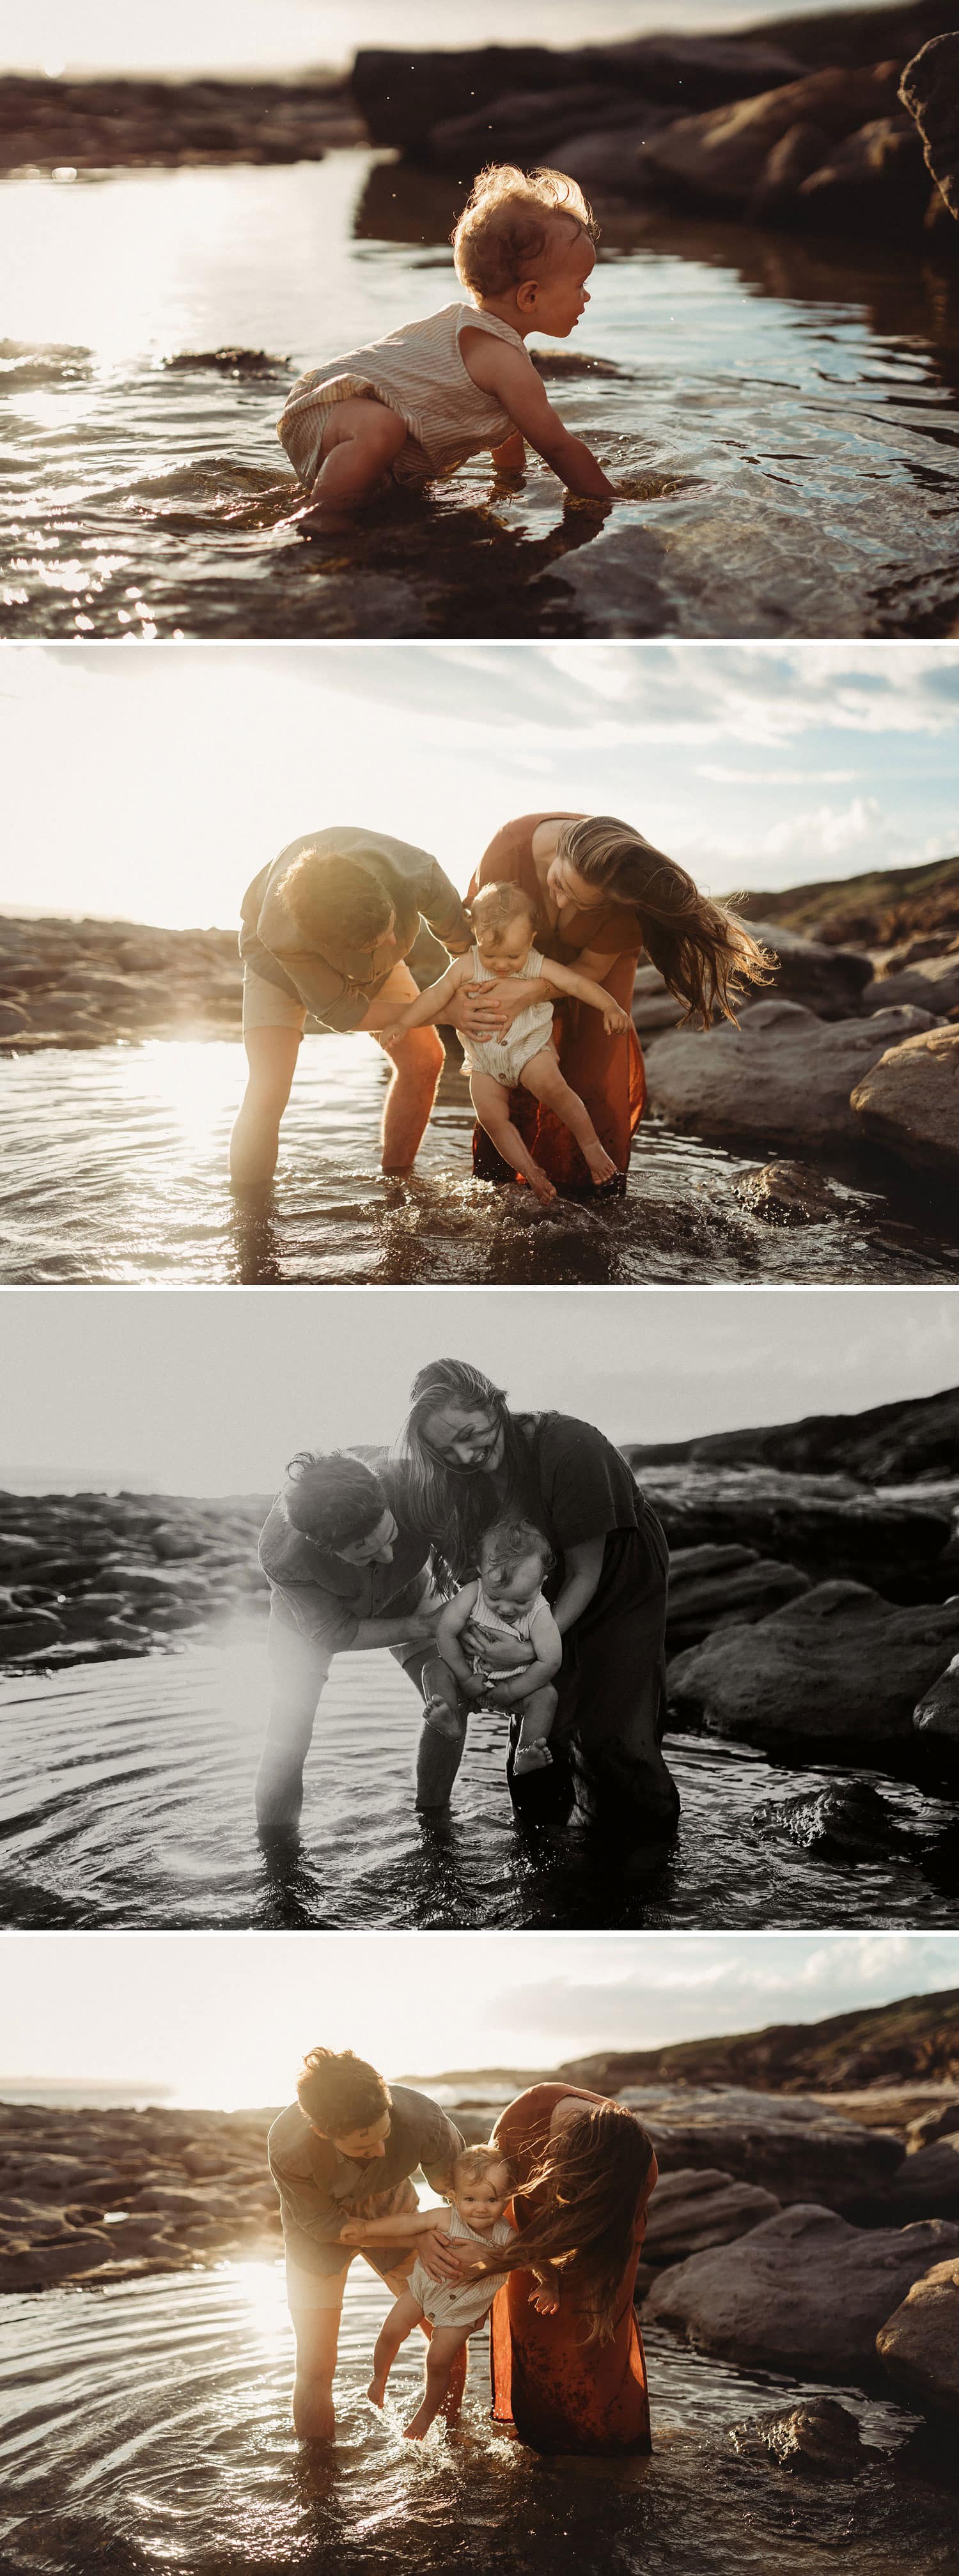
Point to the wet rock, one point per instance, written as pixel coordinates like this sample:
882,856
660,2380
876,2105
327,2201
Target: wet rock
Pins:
799,151
27,1636
805,2290
908,1099
930,982
927,2183
824,978
789,1194
789,2145
937,1713
839,1665
919,2343
873,180
692,2209
814,1523
710,1586
722,156
929,88
130,2172
821,2438
406,96
102,124
784,1077
847,1821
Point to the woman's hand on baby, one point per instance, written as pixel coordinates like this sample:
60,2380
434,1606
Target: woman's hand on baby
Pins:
500,1654
488,1010
615,1021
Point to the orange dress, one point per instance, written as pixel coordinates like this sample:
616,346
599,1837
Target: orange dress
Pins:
607,1072
561,2392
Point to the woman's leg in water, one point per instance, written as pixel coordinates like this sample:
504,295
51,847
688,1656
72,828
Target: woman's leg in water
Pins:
622,1782
271,1055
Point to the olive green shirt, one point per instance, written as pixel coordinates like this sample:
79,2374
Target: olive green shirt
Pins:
338,984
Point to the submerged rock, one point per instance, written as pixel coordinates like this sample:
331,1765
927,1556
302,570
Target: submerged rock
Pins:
919,2343
848,1820
805,2290
788,1194
929,88
840,1664
821,2438
908,1099
784,1077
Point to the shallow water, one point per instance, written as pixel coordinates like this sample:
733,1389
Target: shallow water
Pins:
114,1172
147,2427
128,1803
783,417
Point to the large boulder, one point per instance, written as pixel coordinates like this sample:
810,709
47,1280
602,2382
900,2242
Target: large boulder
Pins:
805,2291
931,983
820,1524
691,2210
926,2184
406,95
782,1079
828,981
908,1098
937,1713
711,1586
875,178
789,2145
722,156
929,88
840,1664
919,2343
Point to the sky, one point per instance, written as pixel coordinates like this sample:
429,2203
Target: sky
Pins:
195,1392
152,783
222,2019
276,36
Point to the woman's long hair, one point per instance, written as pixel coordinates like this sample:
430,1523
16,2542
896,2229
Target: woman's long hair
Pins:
453,1506
703,952
588,2183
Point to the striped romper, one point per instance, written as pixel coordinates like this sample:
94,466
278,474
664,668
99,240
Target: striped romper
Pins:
418,372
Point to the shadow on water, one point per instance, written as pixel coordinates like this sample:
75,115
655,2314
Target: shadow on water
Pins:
781,418
128,1803
114,1172
146,2425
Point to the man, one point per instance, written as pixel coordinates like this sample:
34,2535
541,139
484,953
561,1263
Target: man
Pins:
327,928
348,1571
347,2148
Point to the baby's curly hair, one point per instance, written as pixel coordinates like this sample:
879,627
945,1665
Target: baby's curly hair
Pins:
473,2162
504,234
495,905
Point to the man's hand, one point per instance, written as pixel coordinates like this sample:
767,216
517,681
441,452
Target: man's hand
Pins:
440,2258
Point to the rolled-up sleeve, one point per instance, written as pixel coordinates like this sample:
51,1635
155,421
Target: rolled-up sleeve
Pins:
304,2206
440,2150
326,993
326,1621
442,910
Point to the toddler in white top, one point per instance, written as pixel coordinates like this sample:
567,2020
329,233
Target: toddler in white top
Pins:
418,402
480,2188
501,1608
504,919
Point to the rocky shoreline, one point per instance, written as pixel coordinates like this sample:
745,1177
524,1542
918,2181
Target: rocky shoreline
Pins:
805,122
801,2231
834,1543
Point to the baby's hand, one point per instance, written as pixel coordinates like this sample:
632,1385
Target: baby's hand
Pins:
387,1037
544,2301
615,1021
354,2231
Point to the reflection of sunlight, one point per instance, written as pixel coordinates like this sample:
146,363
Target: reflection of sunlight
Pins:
80,277
197,1081
262,2287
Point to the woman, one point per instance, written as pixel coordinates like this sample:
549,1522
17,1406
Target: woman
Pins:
605,895
573,2377
469,1461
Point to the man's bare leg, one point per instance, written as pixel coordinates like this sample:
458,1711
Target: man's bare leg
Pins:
360,442
543,1078
271,1055
299,1669
440,1749
491,1103
317,2333
417,1062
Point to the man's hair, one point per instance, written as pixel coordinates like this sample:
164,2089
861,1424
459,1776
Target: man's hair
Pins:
335,1498
493,906
339,2092
508,1538
508,229
473,2162
335,897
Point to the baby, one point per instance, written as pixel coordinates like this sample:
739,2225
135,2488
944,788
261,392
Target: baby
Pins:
506,1602
481,2186
417,403
504,919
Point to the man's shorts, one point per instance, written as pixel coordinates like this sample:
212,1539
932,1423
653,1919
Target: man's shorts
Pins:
325,2289
266,1006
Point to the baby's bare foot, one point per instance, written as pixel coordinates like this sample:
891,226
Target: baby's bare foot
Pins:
531,1757
376,2392
420,2425
600,1164
541,1187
